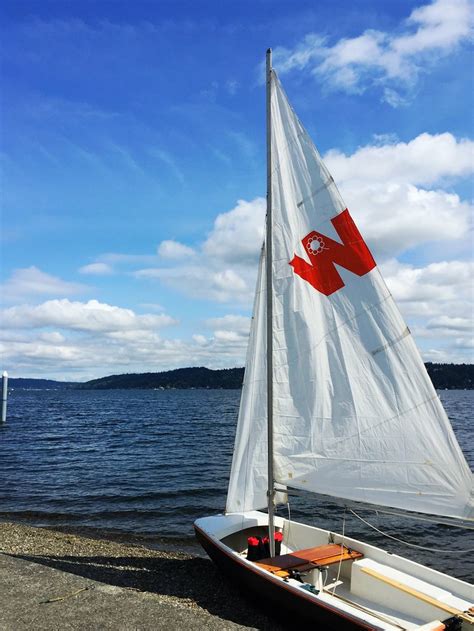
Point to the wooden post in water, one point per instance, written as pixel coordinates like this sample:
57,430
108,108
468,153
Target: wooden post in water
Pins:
4,396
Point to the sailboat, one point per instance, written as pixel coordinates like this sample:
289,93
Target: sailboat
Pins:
336,401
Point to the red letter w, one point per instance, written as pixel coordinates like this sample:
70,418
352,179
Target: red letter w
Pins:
324,253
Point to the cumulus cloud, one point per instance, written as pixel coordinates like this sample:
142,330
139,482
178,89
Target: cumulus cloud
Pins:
381,184
437,302
202,282
52,337
238,234
230,331
230,322
81,316
77,353
83,340
174,250
394,190
450,323
401,197
97,269
32,282
425,160
438,282
223,268
377,58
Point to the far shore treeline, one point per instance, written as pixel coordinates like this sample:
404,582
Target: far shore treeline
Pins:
443,376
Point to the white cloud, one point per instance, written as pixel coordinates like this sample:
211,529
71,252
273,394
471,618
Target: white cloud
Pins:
202,282
376,58
441,25
224,267
238,234
81,316
52,337
230,322
446,281
201,340
79,355
437,302
32,282
423,161
174,250
227,336
381,185
451,324
96,269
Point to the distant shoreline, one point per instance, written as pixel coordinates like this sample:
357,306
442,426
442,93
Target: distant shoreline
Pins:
443,376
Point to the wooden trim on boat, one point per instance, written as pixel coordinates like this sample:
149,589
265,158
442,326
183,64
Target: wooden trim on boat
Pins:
308,558
345,619
417,594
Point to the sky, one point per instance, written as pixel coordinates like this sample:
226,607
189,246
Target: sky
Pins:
133,170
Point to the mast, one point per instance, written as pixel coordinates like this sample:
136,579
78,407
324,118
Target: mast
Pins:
269,293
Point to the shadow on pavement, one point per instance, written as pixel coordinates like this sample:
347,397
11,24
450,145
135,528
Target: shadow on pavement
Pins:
193,580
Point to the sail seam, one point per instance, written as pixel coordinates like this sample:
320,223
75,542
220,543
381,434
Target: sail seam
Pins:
285,149
372,427
368,309
366,460
324,186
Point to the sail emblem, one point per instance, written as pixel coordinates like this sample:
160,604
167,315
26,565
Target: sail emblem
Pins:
316,245
325,253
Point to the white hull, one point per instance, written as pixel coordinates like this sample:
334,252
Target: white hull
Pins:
378,591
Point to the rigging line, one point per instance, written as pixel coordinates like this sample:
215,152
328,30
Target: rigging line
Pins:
289,521
407,543
342,545
406,514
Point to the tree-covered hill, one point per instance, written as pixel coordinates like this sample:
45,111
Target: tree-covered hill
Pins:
451,376
443,376
39,384
179,378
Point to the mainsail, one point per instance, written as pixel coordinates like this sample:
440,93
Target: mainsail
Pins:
355,414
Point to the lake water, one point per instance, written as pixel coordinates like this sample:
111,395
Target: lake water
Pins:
150,462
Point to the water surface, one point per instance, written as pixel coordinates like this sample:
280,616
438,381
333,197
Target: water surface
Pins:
150,462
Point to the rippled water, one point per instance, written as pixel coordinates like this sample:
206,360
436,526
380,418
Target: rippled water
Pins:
149,462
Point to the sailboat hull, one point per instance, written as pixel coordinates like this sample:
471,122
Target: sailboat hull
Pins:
274,593
367,589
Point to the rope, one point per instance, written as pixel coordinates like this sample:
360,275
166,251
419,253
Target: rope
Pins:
289,521
407,543
342,547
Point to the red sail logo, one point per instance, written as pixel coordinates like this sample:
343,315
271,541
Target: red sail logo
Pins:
325,253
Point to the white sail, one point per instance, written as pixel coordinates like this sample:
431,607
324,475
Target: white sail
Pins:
355,413
248,478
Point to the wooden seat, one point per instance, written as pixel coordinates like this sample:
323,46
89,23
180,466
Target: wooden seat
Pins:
307,559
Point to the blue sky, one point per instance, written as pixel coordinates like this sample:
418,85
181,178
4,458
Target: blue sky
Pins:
133,170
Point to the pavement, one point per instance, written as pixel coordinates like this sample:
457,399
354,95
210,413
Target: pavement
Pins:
34,596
